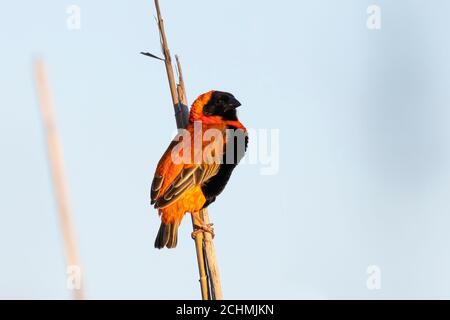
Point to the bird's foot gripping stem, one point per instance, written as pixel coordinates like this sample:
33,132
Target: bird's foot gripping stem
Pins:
203,228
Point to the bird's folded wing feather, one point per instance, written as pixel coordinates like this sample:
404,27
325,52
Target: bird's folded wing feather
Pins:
173,178
187,179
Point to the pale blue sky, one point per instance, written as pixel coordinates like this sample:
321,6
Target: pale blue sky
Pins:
364,147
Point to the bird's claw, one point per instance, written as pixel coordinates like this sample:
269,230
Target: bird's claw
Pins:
203,228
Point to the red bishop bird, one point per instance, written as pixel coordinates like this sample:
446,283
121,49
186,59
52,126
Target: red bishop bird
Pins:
194,171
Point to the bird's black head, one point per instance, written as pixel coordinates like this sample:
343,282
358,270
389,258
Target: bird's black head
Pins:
222,104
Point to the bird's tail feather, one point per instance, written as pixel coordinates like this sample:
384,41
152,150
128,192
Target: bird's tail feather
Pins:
167,235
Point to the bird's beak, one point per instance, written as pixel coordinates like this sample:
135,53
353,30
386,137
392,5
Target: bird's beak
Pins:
232,104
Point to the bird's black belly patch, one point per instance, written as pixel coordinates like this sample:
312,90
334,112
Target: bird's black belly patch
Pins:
214,186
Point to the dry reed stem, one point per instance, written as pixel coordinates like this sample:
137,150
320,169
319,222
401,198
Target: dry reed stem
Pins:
203,242
55,159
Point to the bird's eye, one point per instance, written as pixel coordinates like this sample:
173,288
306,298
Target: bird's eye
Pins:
222,100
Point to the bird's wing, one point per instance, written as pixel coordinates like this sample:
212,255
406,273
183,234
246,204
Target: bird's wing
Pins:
165,172
189,177
173,178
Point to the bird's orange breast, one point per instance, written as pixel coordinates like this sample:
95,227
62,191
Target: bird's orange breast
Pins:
192,201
